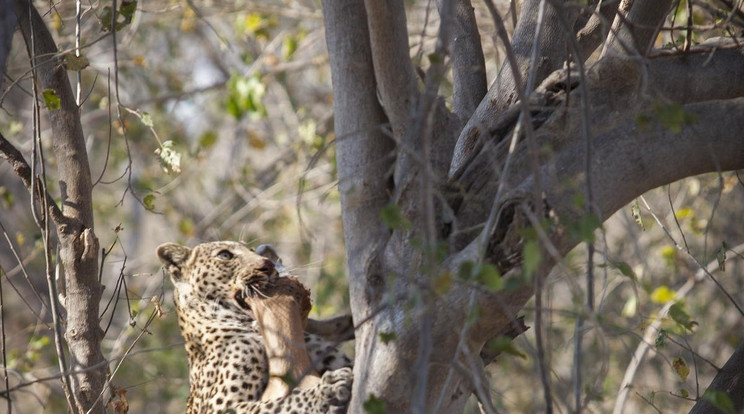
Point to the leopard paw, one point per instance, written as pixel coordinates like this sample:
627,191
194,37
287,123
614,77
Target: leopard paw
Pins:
334,390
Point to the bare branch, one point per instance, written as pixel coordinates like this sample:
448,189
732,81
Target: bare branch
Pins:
365,156
639,27
7,27
694,77
69,143
468,63
551,53
78,243
596,28
396,78
21,168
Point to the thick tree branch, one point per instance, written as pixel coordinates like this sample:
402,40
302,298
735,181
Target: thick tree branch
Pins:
729,380
360,137
396,78
78,243
695,77
596,28
69,143
7,28
551,53
636,32
468,63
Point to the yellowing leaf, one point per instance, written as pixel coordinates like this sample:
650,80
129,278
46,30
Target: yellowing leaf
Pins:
630,308
51,99
684,213
662,294
20,239
681,368
442,283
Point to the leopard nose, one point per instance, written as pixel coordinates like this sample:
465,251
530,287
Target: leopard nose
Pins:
266,267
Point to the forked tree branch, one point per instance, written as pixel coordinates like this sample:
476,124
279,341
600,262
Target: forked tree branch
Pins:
78,243
365,153
550,55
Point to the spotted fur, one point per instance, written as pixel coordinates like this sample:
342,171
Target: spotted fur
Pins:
228,368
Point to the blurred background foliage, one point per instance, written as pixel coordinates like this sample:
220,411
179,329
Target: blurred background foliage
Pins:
213,120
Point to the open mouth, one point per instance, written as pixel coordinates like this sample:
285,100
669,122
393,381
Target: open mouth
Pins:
240,298
250,289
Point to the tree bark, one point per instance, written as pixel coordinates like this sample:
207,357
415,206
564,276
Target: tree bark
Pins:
431,335
730,380
78,243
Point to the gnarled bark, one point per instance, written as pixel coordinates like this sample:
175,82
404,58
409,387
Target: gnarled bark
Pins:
430,366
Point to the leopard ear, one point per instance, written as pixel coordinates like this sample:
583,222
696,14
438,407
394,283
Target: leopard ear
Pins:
173,256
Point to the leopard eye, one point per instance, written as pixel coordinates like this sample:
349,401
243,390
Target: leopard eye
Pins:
225,255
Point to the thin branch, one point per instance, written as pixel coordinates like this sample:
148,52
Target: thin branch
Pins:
652,331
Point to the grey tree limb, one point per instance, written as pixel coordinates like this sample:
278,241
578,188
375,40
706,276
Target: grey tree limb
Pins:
7,28
596,28
698,76
551,54
365,155
394,72
468,63
636,31
78,243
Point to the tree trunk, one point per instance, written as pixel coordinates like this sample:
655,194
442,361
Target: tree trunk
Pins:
419,329
79,247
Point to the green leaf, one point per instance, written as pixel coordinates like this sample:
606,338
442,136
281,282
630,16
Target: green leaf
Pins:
488,275
721,256
681,368
75,63
635,211
504,345
720,400
683,392
624,268
374,405
51,100
583,228
6,197
149,202
672,116
679,315
661,339
245,96
532,257
123,17
387,337
394,218
208,139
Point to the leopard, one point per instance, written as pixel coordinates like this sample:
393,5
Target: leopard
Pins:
227,356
